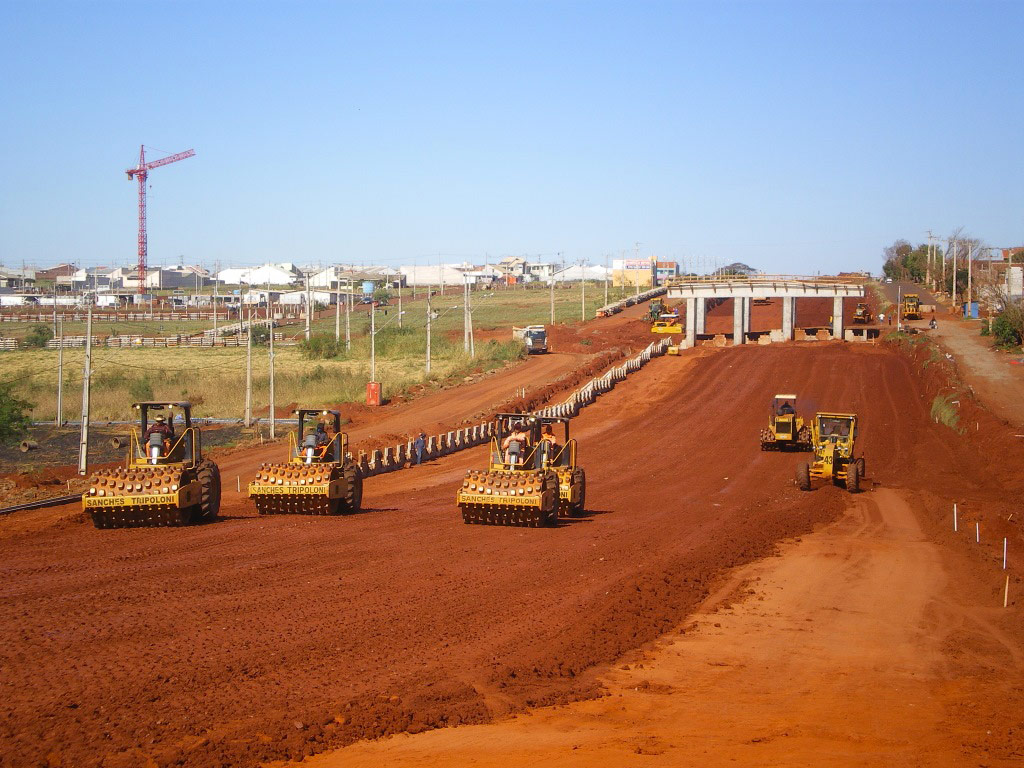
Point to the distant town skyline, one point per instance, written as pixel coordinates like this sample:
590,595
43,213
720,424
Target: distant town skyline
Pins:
793,136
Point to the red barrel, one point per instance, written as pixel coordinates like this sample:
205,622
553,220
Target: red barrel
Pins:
373,393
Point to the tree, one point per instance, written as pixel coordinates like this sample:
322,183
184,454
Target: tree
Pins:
14,414
904,262
38,335
382,295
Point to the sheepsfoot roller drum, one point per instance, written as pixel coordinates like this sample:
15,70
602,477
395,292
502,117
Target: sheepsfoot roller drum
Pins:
532,478
165,480
318,478
516,497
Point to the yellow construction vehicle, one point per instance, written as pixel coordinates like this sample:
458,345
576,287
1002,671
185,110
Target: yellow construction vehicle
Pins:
529,480
318,479
862,314
833,436
911,307
165,479
785,430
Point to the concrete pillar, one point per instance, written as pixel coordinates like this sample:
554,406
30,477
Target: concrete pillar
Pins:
739,320
748,305
691,321
788,318
837,317
702,314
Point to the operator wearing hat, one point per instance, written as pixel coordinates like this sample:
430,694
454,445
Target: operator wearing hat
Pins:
158,437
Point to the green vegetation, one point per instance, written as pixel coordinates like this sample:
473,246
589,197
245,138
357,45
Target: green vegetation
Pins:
14,414
1006,328
945,411
38,335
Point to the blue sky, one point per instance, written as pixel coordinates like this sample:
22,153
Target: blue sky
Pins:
796,137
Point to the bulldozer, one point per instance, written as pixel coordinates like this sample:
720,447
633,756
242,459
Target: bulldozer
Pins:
318,478
833,436
785,430
531,487
164,481
911,307
862,314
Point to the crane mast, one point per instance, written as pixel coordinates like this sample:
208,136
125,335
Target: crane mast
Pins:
140,174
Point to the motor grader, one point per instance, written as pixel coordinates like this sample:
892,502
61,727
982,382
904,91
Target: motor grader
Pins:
911,307
832,437
165,479
530,487
786,431
318,478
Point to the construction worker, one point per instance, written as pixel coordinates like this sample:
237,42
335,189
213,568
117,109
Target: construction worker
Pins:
514,444
158,437
548,444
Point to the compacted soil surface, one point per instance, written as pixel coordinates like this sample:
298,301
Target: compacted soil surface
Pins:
256,639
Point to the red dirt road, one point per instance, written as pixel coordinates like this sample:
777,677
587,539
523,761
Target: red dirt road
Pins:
256,639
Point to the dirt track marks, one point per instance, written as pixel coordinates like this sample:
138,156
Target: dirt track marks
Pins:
397,617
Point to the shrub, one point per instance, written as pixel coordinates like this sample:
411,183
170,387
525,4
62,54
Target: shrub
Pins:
38,335
985,329
1005,332
320,347
260,335
140,389
14,416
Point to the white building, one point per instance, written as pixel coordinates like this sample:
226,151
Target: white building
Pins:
298,298
577,272
274,274
434,274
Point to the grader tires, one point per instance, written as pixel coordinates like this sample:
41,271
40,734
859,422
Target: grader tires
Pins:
853,477
861,468
803,476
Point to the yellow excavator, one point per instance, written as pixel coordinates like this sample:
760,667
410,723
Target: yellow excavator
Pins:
529,480
318,478
164,481
832,437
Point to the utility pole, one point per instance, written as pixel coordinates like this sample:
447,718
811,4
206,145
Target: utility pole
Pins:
337,307
948,248
216,293
309,306
428,329
928,262
400,312
636,258
552,287
54,305
955,249
60,375
373,343
472,343
83,445
248,372
583,293
348,318
970,291
465,314
273,413
606,280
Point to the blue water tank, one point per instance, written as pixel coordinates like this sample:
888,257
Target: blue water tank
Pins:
970,309
368,286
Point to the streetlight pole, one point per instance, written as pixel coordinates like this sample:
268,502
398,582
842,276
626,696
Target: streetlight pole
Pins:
83,445
552,284
373,343
248,372
337,306
583,293
428,330
273,420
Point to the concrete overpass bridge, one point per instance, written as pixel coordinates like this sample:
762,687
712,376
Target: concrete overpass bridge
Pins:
744,290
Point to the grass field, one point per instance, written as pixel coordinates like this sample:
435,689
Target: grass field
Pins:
121,328
214,379
499,308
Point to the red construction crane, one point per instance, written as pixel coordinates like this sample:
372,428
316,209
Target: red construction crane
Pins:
141,173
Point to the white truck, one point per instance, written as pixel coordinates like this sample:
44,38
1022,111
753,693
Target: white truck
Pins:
535,337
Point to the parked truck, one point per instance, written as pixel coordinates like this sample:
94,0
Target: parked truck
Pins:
535,337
